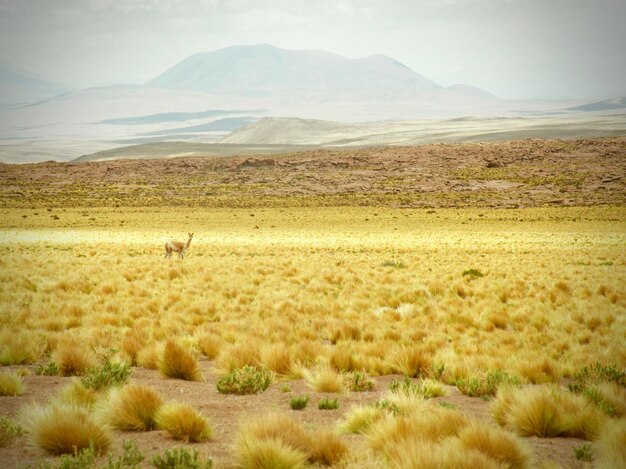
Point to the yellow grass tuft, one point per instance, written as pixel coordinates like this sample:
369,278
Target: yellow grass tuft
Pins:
64,429
237,356
277,359
18,348
75,393
360,419
254,453
410,361
278,427
11,384
327,448
611,445
183,422
499,445
424,454
131,345
72,358
176,362
433,424
210,345
148,357
325,380
132,407
546,411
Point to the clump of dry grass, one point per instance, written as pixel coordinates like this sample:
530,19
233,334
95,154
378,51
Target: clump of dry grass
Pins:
611,445
434,425
360,419
325,380
64,429
183,422
237,356
18,348
424,454
132,407
254,453
546,411
77,394
210,345
327,448
278,441
177,362
131,345
11,384
499,445
274,441
410,361
277,359
72,358
148,357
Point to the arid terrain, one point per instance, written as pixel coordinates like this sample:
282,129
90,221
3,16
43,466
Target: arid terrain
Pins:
523,173
464,303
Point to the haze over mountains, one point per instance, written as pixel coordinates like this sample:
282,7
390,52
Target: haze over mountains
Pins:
206,96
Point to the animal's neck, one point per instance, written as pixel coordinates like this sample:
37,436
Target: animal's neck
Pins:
188,243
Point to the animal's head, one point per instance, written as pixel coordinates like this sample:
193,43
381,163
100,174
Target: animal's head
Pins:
190,236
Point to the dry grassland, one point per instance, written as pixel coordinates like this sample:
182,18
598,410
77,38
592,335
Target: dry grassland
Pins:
482,302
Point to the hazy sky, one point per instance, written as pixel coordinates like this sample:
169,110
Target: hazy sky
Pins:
512,48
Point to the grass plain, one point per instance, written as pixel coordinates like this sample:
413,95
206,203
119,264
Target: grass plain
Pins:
498,310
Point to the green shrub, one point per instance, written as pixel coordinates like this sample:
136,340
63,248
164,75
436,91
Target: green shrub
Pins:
246,380
359,381
486,385
473,273
328,404
181,458
299,403
595,374
593,394
49,369
285,388
107,375
387,406
426,389
8,431
395,264
447,405
584,452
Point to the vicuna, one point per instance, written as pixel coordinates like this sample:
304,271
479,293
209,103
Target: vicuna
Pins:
177,246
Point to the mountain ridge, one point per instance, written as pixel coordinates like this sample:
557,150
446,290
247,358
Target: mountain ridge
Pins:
266,70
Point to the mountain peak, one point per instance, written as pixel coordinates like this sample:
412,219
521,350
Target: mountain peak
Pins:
267,70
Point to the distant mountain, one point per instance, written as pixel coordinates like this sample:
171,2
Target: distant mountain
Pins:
605,105
471,91
18,87
265,71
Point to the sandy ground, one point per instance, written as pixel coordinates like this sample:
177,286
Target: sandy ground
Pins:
226,411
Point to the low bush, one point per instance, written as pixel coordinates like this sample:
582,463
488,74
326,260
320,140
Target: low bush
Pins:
328,404
246,380
181,458
486,385
299,402
359,381
107,375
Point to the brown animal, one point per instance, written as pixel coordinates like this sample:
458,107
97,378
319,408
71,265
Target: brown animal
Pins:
177,246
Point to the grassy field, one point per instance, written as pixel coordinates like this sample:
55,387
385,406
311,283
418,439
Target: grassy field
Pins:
470,323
